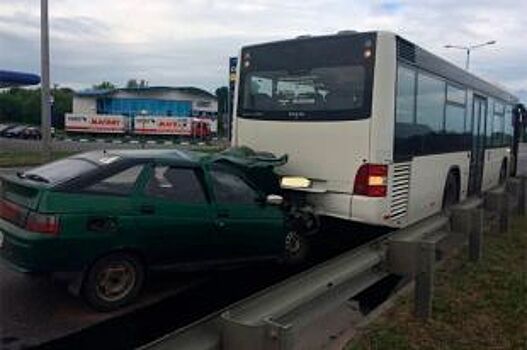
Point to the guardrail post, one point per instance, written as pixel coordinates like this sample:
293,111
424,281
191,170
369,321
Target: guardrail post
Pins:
520,192
504,214
498,202
475,238
424,280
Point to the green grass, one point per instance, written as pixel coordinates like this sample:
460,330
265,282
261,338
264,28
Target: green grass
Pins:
26,158
476,306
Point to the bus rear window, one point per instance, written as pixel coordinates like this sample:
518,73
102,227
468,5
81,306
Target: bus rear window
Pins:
315,89
320,78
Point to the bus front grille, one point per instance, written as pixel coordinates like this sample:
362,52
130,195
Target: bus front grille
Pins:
400,190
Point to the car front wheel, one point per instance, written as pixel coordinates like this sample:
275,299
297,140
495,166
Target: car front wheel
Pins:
113,281
296,248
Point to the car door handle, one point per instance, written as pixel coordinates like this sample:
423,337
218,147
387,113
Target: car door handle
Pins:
219,224
147,209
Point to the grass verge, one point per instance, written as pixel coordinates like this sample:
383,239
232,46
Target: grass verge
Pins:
476,306
26,158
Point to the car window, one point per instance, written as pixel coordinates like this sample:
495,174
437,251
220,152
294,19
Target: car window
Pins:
121,183
230,188
178,184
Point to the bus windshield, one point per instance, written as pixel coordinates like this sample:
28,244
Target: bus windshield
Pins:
321,78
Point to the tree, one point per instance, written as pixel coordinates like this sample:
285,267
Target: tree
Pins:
105,85
132,84
23,105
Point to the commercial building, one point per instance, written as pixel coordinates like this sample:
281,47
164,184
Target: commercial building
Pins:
149,110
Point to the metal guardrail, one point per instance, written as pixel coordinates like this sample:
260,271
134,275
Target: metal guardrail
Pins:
314,309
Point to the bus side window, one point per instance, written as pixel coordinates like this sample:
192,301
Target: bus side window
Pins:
405,138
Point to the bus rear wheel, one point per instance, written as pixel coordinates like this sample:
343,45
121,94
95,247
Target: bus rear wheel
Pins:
451,192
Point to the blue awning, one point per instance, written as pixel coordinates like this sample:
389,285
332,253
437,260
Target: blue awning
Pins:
11,79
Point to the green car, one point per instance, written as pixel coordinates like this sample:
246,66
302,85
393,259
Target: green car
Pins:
105,218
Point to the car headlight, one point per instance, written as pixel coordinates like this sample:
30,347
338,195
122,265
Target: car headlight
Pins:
295,182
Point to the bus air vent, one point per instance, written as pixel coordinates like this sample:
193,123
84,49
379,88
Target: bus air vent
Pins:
400,190
405,50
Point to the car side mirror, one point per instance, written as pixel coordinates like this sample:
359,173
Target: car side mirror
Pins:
274,199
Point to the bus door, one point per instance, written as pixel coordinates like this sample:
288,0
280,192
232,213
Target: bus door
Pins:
477,159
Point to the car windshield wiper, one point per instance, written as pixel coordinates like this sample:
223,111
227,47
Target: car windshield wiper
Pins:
33,177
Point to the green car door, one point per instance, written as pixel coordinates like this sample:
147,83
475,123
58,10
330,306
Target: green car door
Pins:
97,218
246,226
175,215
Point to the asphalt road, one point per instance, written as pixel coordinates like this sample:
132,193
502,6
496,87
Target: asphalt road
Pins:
35,310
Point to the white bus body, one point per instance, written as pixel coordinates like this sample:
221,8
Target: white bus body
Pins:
361,166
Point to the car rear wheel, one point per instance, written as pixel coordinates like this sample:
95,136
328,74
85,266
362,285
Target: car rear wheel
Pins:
113,281
296,248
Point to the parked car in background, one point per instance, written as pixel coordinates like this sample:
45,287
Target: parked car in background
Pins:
15,132
31,133
6,127
105,218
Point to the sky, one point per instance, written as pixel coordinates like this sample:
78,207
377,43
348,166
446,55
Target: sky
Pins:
188,42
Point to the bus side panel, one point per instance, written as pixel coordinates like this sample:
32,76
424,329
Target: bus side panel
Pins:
428,178
383,101
491,170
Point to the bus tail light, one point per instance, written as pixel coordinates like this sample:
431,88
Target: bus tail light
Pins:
42,223
371,180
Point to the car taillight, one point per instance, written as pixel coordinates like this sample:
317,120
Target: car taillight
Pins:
42,223
12,212
371,180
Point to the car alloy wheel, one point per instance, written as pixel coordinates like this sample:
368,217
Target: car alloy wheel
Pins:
296,248
115,281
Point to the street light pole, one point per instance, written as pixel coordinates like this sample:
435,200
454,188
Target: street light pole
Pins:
468,50
467,61
44,71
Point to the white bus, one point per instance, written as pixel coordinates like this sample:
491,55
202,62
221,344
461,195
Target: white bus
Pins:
377,129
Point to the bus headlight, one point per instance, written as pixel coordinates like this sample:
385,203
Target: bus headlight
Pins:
295,182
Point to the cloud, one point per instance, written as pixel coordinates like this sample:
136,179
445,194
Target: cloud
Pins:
188,42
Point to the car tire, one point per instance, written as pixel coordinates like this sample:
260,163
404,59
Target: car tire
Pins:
451,191
297,248
113,281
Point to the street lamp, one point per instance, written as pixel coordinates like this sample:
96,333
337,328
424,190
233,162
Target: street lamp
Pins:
469,48
44,67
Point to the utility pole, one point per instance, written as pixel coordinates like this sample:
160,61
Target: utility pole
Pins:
44,72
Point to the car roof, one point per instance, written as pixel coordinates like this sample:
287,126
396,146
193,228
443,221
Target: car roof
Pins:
232,158
173,156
